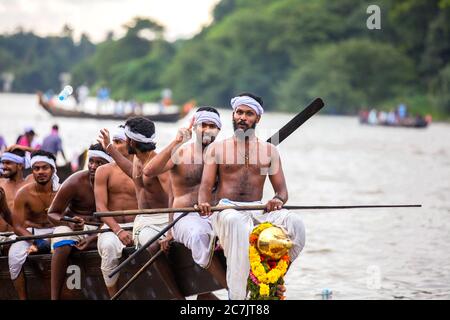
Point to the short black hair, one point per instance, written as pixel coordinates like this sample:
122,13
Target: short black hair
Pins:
145,127
18,152
43,153
252,95
55,127
209,109
97,146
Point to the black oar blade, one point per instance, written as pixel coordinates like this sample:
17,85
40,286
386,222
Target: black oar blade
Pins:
296,122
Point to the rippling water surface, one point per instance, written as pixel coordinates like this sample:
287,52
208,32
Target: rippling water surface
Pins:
358,254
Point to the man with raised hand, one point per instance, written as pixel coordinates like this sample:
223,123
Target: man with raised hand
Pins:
114,190
184,162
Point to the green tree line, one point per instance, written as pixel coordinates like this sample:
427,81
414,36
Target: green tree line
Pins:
287,51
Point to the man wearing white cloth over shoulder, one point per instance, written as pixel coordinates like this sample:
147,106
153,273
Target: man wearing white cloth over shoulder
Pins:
30,216
242,163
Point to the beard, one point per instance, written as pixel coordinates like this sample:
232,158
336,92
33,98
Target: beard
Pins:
235,126
207,139
243,133
131,150
42,182
9,174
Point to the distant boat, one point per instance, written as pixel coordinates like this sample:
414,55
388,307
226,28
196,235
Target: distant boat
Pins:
58,111
409,122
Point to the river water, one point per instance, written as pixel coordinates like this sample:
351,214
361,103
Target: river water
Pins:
357,254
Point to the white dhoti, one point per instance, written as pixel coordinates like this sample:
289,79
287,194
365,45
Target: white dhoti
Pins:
110,249
146,227
196,233
18,252
233,229
3,239
69,240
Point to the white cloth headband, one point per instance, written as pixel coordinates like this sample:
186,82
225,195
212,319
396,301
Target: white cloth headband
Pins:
138,137
119,134
55,178
8,156
99,154
207,116
247,101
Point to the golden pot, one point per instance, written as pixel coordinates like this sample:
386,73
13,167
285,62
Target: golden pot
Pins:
274,242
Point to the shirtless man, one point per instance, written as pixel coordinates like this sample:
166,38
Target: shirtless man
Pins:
30,215
151,192
5,220
114,190
185,165
13,163
75,199
242,164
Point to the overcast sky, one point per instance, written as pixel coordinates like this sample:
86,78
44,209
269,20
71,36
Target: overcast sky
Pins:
181,18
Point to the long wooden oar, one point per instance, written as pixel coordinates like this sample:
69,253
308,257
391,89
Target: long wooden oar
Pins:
137,274
282,134
245,208
61,234
6,234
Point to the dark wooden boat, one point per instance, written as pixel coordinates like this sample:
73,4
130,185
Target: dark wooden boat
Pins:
56,111
191,278
411,123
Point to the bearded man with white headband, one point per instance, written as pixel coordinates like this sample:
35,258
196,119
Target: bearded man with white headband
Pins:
75,199
151,192
184,162
13,163
114,190
242,163
30,215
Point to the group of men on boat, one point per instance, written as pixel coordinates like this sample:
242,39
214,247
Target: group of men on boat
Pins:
125,173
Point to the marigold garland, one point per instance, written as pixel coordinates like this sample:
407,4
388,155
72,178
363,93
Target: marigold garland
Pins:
265,274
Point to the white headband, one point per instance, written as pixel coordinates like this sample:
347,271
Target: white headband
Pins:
207,116
8,156
119,134
247,101
138,137
55,178
99,154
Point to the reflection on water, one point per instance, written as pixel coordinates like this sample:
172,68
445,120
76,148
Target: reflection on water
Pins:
358,254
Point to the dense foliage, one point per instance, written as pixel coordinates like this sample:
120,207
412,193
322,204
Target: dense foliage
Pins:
288,51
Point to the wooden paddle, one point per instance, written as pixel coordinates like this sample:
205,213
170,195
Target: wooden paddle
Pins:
276,139
245,208
57,235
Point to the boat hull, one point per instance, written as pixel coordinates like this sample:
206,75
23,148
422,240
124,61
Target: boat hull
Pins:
150,285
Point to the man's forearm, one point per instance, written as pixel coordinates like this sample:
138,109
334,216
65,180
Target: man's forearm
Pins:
112,223
157,164
205,194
